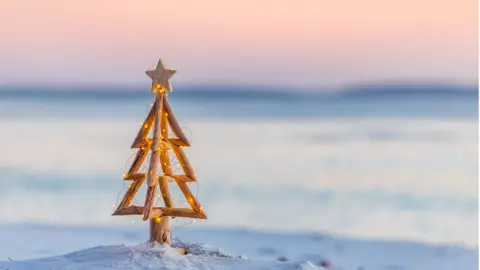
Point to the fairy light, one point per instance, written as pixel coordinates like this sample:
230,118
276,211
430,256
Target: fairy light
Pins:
171,160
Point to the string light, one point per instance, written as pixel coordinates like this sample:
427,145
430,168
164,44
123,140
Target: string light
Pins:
172,160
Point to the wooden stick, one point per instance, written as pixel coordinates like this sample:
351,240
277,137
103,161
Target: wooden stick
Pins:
183,178
152,179
165,161
160,212
164,122
177,130
163,226
167,178
181,212
128,211
135,176
145,128
164,157
131,191
183,160
177,142
152,167
190,198
149,200
139,158
167,198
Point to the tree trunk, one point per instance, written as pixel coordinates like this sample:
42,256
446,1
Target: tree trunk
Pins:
159,230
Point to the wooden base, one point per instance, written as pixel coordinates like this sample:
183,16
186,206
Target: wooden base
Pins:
160,230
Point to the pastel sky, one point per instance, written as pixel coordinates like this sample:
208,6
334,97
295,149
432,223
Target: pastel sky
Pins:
314,43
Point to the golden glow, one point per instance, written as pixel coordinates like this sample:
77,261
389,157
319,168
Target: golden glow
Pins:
158,219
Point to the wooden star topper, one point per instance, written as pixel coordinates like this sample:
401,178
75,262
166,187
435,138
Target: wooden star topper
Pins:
160,77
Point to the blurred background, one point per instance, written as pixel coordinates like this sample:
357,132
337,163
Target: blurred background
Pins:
356,118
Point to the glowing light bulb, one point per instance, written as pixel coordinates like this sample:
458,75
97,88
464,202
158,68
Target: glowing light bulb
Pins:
158,219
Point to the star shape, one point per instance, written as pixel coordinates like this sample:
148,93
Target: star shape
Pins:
160,77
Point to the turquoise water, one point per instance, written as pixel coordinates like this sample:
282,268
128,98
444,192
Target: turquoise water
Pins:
384,168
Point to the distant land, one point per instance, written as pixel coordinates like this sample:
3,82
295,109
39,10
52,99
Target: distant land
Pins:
239,92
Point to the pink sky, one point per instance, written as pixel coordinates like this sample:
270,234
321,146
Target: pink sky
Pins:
299,43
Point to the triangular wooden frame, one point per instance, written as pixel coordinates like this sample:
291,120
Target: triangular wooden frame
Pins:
160,117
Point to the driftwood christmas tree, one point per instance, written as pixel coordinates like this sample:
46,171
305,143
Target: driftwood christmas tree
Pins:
161,117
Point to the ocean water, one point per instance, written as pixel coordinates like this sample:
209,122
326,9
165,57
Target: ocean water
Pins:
392,166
